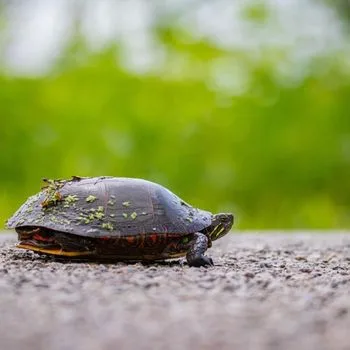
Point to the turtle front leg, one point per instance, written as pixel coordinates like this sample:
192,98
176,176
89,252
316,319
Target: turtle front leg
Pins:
197,247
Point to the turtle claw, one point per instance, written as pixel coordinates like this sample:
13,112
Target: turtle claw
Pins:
201,261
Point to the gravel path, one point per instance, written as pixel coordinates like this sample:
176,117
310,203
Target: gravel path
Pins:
268,291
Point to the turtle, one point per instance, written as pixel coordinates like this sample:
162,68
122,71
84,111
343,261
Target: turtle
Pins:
116,218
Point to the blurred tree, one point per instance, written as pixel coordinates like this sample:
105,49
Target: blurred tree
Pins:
225,128
343,8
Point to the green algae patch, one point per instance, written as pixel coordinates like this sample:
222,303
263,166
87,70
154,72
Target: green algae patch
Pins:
107,226
69,200
90,198
99,215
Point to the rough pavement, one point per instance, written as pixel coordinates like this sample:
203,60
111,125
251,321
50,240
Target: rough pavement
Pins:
268,291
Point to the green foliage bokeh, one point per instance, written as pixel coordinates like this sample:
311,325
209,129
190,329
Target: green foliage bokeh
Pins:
276,154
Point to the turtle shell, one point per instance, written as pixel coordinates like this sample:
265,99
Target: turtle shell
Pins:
109,207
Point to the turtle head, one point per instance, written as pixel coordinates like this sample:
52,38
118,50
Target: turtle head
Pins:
220,225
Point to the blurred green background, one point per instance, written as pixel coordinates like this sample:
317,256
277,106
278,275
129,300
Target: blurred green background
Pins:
235,106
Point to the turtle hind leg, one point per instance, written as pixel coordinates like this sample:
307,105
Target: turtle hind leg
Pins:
197,247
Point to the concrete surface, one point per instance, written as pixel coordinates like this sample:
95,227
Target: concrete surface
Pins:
268,291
